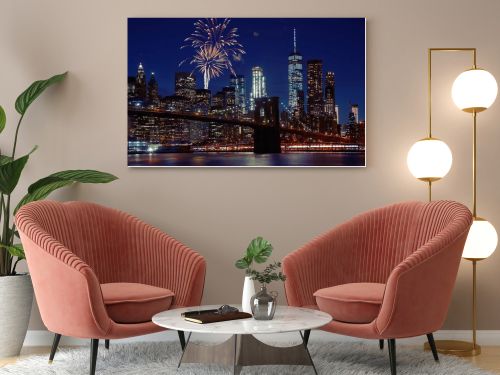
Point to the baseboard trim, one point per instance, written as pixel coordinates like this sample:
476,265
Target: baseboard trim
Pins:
484,337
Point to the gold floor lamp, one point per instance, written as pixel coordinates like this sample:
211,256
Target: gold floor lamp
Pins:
430,159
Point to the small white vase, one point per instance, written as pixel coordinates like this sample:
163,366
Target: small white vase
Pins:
248,292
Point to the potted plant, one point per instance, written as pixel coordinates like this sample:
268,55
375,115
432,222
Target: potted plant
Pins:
16,291
258,250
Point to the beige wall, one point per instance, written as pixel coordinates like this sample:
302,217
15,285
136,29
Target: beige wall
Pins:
82,124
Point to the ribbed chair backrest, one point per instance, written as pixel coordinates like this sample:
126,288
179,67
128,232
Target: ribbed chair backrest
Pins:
94,233
379,242
387,236
375,242
433,218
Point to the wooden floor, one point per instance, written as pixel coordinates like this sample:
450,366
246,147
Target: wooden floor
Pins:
26,352
488,360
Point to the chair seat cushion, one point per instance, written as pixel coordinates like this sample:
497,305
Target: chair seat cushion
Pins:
351,303
133,302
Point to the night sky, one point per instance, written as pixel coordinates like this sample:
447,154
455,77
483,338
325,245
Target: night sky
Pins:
339,42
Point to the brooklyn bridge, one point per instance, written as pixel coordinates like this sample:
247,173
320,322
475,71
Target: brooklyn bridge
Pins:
266,125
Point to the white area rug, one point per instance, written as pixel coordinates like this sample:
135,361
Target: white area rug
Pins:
161,358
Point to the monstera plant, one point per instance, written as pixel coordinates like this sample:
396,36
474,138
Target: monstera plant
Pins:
16,292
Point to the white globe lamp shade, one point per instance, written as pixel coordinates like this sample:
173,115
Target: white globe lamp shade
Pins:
429,159
474,90
481,241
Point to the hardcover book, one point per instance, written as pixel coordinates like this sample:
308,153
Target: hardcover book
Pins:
213,317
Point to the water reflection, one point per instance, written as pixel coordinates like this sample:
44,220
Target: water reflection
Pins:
248,159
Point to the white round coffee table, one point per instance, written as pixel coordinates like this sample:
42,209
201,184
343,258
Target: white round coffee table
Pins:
242,348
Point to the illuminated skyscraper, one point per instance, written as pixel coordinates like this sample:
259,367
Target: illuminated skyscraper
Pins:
238,82
258,85
315,87
131,86
202,101
295,79
230,108
153,90
140,83
353,126
229,98
300,111
337,113
330,94
218,101
185,85
355,112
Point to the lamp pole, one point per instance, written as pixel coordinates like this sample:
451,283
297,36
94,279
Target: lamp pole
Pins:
454,347
474,165
474,215
476,349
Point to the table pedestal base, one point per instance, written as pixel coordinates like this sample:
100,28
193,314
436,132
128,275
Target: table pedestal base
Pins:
246,350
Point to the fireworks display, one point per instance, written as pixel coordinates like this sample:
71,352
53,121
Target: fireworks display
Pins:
210,61
215,47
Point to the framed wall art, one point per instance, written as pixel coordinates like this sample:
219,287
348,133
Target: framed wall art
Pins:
240,92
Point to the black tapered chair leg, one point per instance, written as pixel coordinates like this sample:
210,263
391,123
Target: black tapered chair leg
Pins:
94,346
307,333
392,355
55,344
182,339
432,344
106,344
381,344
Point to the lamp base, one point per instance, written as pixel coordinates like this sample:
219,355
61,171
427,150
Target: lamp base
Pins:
456,348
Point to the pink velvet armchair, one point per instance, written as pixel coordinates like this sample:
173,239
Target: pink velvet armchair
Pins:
99,273
385,274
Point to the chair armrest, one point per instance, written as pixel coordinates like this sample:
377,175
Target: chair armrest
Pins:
165,262
321,263
67,290
419,289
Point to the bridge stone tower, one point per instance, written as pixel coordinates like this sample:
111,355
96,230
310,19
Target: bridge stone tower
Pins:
267,135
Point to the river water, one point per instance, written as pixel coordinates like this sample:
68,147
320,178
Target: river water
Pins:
248,159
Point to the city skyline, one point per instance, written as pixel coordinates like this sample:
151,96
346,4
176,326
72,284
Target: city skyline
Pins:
230,94
144,36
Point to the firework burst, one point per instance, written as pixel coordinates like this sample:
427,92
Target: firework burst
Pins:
215,47
210,61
